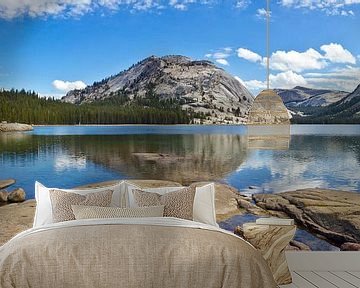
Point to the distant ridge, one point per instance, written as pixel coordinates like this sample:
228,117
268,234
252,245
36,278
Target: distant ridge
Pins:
346,110
307,97
198,86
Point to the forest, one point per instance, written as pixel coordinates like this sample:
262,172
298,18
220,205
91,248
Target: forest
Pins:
28,107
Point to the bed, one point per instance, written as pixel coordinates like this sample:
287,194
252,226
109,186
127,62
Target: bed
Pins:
131,251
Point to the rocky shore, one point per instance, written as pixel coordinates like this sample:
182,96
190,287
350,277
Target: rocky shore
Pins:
16,195
332,215
14,127
18,217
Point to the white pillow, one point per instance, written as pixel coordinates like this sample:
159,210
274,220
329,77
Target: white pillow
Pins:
160,190
95,212
204,201
204,205
43,212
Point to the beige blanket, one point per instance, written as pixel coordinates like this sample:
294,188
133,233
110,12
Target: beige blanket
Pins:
118,254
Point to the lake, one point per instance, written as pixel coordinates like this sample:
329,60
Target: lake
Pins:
252,159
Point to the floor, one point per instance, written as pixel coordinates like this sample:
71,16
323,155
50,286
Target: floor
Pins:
324,269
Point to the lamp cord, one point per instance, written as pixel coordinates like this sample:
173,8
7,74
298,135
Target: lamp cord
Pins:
268,43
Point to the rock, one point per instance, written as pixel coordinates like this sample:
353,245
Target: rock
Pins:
242,203
157,157
350,246
239,231
17,195
3,196
6,183
298,246
330,213
14,127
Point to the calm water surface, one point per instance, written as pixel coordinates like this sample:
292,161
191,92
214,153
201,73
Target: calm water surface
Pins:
268,160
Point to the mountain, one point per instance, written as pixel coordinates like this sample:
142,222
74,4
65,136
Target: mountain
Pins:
353,95
308,97
197,86
346,110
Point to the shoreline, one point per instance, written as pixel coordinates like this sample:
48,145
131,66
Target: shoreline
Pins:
200,125
17,217
231,203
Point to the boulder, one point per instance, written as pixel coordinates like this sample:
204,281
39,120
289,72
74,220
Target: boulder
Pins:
14,127
239,231
6,183
330,213
350,246
298,246
17,195
3,196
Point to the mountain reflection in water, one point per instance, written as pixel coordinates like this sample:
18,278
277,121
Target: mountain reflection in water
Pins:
265,158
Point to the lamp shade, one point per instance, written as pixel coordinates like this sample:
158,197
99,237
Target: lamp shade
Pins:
268,108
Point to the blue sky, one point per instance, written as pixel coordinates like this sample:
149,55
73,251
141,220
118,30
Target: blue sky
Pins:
51,46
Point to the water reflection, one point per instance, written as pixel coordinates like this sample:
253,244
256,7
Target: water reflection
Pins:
310,161
275,137
180,158
243,159
64,162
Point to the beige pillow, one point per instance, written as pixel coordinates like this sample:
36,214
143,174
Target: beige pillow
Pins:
61,202
94,212
177,204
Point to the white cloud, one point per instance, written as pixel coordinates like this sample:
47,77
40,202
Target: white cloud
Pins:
184,4
242,4
13,8
221,55
337,54
42,8
288,79
297,61
292,65
67,85
339,79
255,85
222,62
344,79
64,162
248,55
262,13
330,7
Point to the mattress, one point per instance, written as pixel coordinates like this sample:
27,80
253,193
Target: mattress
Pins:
137,252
